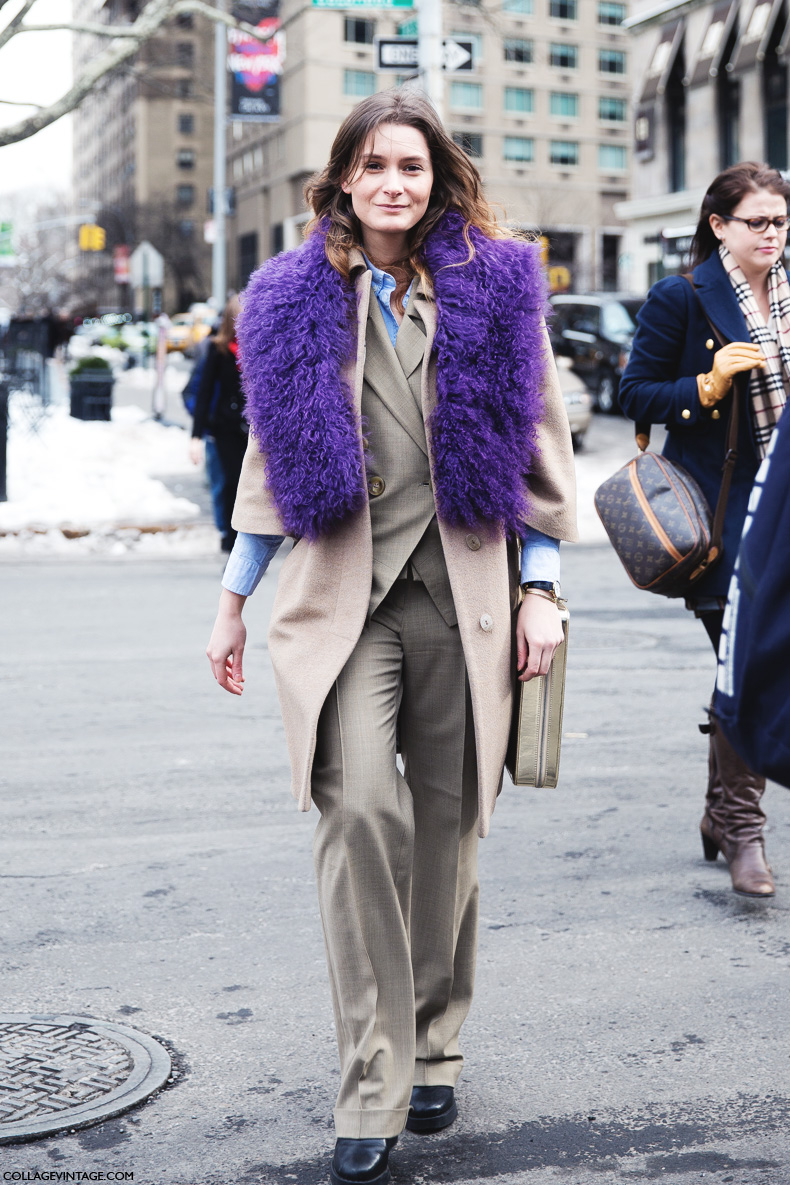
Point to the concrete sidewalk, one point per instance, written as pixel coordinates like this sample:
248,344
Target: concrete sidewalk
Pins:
630,1021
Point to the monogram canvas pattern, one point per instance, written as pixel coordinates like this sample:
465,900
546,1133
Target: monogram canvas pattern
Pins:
658,522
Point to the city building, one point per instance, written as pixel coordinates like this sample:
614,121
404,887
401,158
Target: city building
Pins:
711,89
143,147
545,113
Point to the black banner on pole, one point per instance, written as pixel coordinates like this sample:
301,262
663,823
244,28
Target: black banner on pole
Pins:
255,66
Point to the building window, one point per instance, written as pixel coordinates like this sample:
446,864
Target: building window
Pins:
183,88
185,195
564,104
612,110
466,95
610,14
185,21
522,7
248,256
517,49
359,31
775,109
564,152
519,100
611,158
519,148
186,228
728,109
611,61
471,142
186,158
277,238
563,10
610,260
185,54
566,57
186,124
358,84
675,108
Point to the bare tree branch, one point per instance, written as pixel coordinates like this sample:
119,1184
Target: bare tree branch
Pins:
81,27
19,103
13,25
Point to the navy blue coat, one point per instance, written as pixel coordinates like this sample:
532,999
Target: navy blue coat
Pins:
673,344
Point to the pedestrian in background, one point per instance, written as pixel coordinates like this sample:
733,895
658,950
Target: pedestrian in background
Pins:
219,413
678,375
407,429
214,470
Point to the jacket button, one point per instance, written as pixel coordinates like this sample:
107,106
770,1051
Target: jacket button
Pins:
686,413
473,542
376,486
709,344
715,414
487,623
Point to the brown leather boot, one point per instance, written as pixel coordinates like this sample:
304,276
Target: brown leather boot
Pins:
733,822
712,822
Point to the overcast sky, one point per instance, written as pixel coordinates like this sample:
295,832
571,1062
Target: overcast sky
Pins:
36,67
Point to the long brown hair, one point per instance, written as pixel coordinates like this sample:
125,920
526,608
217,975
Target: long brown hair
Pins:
726,192
457,185
227,328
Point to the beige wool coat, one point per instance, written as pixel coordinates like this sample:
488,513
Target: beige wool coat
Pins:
323,590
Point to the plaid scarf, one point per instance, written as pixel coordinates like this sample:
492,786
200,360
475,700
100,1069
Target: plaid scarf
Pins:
767,386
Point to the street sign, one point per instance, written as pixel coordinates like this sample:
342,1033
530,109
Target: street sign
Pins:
120,264
7,257
363,3
147,267
402,53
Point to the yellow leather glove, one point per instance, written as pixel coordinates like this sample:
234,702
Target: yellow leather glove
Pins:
727,362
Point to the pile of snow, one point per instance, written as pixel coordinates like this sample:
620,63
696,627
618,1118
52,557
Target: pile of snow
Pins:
92,476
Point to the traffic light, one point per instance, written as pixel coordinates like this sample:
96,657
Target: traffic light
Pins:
92,238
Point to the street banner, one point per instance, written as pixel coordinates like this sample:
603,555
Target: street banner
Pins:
256,66
120,264
363,3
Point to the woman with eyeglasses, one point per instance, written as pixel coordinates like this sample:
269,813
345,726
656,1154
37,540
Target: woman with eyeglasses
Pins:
681,376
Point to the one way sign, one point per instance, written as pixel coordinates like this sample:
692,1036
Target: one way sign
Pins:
401,53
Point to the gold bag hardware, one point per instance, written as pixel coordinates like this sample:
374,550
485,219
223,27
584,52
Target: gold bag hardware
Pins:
533,751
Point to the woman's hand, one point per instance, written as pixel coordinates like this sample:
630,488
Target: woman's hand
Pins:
195,450
226,644
727,362
538,634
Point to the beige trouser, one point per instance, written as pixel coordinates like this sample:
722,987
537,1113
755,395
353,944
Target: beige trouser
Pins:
396,860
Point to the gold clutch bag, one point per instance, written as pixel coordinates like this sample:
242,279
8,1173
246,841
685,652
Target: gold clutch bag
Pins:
533,752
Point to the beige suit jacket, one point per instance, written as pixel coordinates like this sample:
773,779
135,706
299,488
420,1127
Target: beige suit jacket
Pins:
323,591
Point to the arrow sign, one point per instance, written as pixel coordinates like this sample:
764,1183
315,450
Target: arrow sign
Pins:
147,266
402,53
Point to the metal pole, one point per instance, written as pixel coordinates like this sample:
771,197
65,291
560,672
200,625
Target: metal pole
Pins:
3,437
430,52
219,283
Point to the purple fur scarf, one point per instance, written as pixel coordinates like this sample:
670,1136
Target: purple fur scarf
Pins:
297,333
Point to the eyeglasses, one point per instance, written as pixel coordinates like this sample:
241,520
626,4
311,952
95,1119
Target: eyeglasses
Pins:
758,225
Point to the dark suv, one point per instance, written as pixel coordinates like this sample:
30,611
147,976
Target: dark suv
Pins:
596,332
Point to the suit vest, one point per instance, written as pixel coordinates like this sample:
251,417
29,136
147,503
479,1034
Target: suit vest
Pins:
406,539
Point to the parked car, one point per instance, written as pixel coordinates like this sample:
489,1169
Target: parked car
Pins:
578,401
595,332
187,330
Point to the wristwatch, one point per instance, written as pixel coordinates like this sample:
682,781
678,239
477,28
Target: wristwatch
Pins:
550,588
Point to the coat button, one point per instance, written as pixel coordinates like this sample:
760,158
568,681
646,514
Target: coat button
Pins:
686,413
715,414
487,623
709,344
376,486
473,542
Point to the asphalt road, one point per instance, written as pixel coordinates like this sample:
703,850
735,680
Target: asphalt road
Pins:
630,1022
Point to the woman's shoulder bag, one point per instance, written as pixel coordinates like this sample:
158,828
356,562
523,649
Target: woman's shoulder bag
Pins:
657,518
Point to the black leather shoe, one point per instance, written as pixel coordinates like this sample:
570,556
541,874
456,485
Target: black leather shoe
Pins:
361,1162
431,1109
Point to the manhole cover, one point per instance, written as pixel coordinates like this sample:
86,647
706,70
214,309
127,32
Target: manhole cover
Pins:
60,1072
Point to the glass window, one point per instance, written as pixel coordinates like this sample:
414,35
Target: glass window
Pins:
519,100
563,10
358,84
471,142
185,54
186,124
564,56
358,30
564,152
610,14
520,148
611,158
185,195
616,321
517,49
612,110
183,88
468,95
186,228
611,61
185,21
186,158
564,104
524,7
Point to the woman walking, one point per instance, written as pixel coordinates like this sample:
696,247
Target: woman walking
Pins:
407,431
679,376
219,412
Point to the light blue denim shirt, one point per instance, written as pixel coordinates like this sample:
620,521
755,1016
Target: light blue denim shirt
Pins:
252,554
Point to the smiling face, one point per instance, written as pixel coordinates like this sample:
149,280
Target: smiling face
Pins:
754,253
391,188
